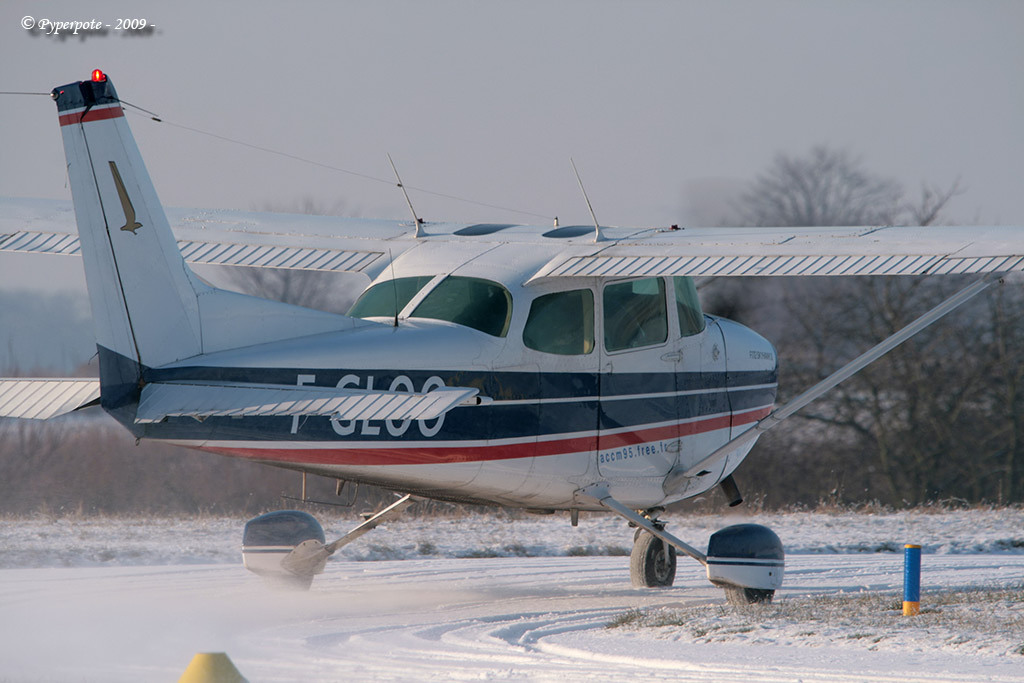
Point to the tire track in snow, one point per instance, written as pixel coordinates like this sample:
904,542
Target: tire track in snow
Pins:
538,619
545,619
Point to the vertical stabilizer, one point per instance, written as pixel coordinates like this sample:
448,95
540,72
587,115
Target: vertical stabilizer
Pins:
144,298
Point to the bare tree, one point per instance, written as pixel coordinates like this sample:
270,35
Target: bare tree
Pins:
936,418
827,187
298,287
933,200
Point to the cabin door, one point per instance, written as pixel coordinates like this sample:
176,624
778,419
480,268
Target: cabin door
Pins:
638,412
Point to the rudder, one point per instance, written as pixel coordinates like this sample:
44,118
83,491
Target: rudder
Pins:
144,298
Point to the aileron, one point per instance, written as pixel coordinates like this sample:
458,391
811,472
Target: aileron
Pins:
777,266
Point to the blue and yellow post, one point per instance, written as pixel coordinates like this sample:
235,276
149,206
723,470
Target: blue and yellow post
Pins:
911,579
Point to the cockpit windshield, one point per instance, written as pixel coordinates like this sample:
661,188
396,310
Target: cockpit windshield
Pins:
387,299
473,302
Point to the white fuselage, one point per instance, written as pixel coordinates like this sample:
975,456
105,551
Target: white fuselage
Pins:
552,423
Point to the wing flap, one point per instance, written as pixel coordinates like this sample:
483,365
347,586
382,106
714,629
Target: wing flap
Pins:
40,242
41,399
297,258
201,400
213,253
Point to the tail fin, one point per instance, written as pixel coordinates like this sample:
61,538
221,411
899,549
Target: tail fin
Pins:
144,298
148,307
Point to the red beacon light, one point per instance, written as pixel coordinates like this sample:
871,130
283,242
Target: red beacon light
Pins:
98,76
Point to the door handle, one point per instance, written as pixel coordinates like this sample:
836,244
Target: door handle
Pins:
672,356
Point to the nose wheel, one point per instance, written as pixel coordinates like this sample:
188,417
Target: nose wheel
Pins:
652,563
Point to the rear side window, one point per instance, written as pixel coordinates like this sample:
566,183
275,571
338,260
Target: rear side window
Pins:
561,323
480,304
635,314
691,319
387,299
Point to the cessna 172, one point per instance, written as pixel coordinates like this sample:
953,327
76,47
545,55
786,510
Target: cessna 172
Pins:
551,369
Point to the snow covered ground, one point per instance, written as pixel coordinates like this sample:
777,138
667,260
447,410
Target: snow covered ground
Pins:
489,598
101,541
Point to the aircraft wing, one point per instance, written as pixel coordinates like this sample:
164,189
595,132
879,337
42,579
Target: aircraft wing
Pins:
201,400
325,243
796,251
223,237
41,399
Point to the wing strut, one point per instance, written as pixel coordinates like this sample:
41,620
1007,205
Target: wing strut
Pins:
843,373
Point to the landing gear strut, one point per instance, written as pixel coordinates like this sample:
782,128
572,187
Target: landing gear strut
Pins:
287,547
747,560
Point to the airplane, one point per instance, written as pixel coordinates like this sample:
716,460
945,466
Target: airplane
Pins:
552,369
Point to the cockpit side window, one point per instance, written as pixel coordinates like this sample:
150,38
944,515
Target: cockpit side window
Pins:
635,314
691,319
387,299
561,323
473,302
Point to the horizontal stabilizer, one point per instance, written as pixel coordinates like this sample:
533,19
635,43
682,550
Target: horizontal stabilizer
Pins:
201,400
41,399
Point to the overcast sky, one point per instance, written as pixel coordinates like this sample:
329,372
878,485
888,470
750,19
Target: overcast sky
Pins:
665,106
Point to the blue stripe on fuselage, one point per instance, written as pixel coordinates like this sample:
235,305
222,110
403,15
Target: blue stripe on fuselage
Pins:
567,402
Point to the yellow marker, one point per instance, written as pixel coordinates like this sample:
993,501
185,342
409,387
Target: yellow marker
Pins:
211,667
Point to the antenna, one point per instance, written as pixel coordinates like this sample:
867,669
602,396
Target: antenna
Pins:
597,226
394,284
416,219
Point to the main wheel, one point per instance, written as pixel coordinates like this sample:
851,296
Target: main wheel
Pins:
652,562
741,597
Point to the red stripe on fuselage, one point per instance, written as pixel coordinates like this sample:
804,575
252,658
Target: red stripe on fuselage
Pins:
91,115
441,454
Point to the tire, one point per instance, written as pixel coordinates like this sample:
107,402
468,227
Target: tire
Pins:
652,564
741,597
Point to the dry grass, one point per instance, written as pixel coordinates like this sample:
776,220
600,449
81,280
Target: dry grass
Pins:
980,619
